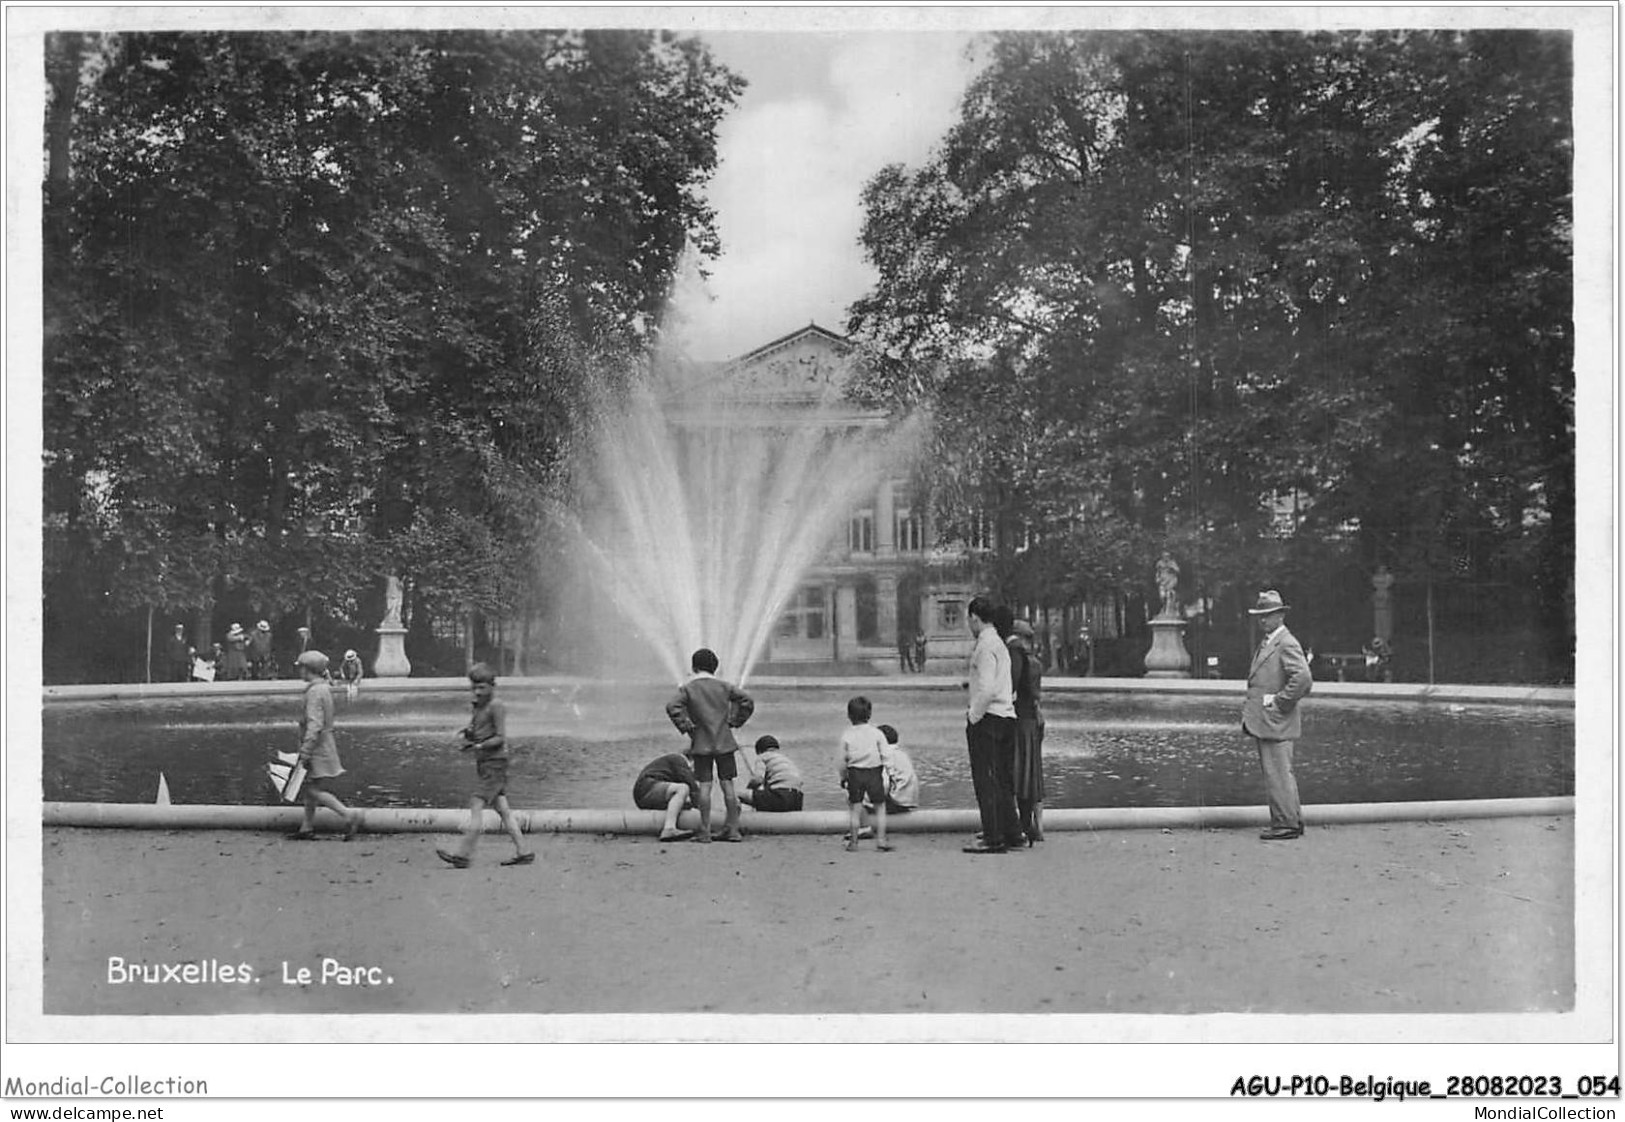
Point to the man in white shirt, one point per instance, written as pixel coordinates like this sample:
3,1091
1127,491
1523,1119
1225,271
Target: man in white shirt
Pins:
990,733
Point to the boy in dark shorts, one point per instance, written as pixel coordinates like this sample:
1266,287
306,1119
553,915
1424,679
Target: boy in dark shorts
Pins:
861,762
668,785
778,788
707,710
487,737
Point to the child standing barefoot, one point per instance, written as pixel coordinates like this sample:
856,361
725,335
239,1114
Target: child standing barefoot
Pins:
707,710
861,764
487,737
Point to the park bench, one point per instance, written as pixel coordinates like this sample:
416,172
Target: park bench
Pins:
1342,662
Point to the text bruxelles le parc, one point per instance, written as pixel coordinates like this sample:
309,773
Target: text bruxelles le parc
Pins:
210,971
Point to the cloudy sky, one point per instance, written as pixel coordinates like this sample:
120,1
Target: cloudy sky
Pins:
824,111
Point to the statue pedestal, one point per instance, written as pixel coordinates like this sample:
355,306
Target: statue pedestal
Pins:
1167,657
391,661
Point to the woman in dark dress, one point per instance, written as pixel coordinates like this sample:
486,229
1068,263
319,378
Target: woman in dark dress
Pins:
1027,675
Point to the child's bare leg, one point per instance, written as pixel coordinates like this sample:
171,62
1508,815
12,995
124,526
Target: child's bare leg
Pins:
854,814
331,802
674,807
471,833
880,823
705,807
730,800
351,818
309,826
510,823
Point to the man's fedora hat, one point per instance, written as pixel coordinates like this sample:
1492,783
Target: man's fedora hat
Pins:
1268,601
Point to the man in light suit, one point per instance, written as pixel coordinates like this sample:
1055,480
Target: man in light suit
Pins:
707,710
1277,680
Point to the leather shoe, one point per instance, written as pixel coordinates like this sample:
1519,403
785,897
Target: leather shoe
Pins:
985,849
1281,833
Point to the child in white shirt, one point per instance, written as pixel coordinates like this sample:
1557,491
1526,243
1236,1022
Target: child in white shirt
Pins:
902,785
778,788
861,765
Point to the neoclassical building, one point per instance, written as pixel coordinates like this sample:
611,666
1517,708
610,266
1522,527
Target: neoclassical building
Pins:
881,582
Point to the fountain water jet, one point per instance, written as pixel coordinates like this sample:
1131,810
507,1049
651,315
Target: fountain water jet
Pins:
705,502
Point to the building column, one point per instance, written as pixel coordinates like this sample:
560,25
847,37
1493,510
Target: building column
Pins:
886,608
885,527
832,624
846,619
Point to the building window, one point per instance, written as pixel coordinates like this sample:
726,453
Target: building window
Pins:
950,615
812,599
910,531
1286,512
981,532
860,532
868,611
804,618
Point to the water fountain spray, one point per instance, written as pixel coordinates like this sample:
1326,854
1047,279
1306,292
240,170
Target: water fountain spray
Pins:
705,504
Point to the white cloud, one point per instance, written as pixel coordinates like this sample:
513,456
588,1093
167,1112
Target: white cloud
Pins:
793,165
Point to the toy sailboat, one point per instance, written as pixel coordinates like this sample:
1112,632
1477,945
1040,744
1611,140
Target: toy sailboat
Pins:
287,775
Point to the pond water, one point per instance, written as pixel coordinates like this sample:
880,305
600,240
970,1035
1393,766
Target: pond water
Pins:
583,747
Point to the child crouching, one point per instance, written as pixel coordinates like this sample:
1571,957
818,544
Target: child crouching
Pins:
778,788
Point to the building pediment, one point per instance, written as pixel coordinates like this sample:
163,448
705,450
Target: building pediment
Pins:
806,367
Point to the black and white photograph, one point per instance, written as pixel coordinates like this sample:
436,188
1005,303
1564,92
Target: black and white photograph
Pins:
809,526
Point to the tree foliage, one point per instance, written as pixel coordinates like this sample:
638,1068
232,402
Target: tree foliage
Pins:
1150,283
320,305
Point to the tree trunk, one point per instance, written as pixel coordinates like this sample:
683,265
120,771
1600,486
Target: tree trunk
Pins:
64,55
1430,629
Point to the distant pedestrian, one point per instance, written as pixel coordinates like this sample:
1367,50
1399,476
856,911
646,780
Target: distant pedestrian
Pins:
350,673
234,668
179,655
707,710
259,651
990,733
919,652
860,761
778,788
1027,677
905,652
318,751
486,735
1379,660
1277,681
